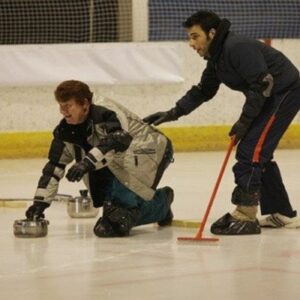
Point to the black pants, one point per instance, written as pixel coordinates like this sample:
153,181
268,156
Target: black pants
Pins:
254,170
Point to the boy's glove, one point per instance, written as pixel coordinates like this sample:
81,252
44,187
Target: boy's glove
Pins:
77,171
35,211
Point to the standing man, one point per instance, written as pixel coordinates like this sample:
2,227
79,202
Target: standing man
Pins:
271,85
120,158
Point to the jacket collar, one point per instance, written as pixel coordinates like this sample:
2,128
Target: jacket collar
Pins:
216,45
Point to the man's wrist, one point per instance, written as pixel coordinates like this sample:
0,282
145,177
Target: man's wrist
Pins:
174,113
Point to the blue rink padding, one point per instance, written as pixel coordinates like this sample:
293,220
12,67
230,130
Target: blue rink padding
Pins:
256,18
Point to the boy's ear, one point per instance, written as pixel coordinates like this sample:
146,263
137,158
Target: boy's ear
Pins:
211,33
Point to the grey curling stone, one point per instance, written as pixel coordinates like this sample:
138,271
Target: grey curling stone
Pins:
31,228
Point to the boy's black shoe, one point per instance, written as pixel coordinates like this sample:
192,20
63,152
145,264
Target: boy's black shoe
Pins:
103,228
169,217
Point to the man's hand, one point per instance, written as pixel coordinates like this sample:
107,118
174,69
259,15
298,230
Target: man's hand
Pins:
161,117
35,211
238,130
77,171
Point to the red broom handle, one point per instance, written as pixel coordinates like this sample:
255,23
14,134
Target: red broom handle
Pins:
212,198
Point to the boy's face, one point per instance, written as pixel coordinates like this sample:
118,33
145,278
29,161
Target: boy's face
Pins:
199,40
73,112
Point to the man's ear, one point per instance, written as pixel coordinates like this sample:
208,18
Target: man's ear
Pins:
211,33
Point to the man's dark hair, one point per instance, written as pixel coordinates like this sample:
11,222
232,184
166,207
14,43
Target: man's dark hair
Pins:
205,19
73,89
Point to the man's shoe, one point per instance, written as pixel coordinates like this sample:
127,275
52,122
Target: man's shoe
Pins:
278,220
228,225
169,216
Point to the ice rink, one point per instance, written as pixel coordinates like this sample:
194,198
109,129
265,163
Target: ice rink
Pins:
72,263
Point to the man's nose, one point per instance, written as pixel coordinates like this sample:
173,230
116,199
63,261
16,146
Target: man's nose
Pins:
192,44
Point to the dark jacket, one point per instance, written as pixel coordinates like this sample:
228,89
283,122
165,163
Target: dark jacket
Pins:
242,64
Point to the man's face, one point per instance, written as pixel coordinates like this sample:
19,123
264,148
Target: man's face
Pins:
73,112
199,40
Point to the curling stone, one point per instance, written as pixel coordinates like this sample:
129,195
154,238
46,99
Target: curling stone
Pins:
82,206
31,228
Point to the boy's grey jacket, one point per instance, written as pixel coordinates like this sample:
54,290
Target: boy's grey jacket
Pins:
136,167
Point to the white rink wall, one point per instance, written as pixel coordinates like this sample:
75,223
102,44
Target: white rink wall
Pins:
33,108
